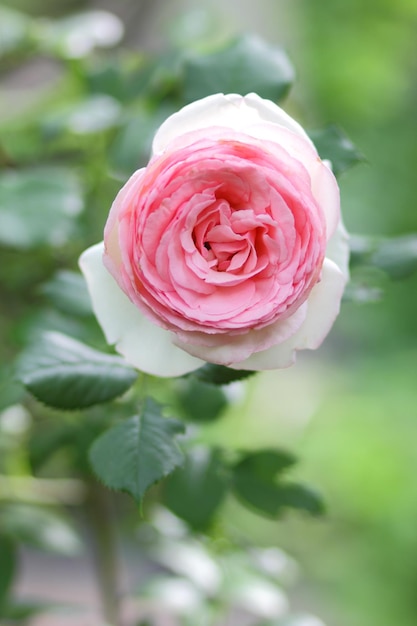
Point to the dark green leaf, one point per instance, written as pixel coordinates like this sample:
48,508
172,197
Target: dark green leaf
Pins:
200,401
257,483
266,464
332,144
38,207
40,527
67,374
301,497
246,65
7,566
195,491
254,479
138,452
68,292
220,375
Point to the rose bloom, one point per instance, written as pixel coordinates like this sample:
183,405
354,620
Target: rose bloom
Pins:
227,248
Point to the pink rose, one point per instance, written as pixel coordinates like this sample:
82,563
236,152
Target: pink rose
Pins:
228,247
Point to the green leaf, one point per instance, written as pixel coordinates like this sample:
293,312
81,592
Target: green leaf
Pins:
220,375
91,115
332,144
132,144
11,391
14,31
40,527
138,452
397,256
301,497
366,284
67,374
47,438
256,484
195,491
38,206
266,464
245,65
68,292
7,566
200,401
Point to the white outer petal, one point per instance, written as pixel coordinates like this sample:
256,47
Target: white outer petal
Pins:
144,345
338,249
231,111
323,307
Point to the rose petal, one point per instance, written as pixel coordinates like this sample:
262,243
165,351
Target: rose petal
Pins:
145,345
229,349
323,307
338,249
268,111
231,111
323,183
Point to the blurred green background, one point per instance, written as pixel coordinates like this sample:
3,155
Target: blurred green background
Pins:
350,411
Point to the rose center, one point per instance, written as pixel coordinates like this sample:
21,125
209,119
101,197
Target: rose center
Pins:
230,240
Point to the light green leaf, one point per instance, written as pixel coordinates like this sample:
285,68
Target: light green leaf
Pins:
132,145
332,144
397,256
7,566
247,64
367,284
14,31
67,374
40,527
138,452
68,292
11,391
195,491
38,206
91,115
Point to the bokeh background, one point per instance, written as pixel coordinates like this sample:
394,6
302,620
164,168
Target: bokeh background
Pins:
349,411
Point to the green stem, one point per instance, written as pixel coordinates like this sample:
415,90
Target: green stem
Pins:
105,552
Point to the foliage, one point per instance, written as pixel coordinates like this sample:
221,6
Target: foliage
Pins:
88,413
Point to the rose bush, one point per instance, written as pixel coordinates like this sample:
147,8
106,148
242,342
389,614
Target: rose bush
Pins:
228,247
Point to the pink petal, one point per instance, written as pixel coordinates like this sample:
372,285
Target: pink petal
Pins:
144,345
